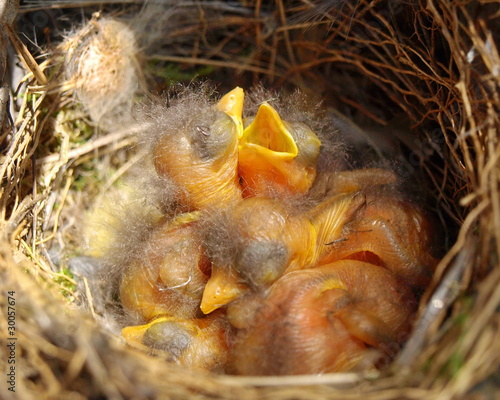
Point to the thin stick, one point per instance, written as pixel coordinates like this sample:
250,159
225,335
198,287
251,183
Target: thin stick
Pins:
215,63
91,146
26,56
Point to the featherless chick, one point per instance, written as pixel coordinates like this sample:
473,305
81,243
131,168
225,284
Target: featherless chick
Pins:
269,239
325,319
390,232
163,287
169,275
275,155
200,343
264,238
199,151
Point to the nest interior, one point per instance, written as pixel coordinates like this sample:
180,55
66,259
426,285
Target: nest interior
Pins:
422,77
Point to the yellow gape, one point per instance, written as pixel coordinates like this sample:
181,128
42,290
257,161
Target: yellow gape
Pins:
276,156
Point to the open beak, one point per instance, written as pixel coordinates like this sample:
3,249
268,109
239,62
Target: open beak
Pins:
221,289
232,104
268,135
269,152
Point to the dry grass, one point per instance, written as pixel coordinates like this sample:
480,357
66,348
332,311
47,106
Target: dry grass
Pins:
436,62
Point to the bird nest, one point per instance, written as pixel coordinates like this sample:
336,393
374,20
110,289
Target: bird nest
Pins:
422,77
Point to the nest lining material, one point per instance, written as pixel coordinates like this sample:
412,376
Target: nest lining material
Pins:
437,62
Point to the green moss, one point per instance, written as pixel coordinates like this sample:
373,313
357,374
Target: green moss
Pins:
86,176
456,360
66,283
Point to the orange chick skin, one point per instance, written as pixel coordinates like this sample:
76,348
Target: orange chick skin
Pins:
390,232
168,277
163,288
201,156
323,286
325,319
268,240
195,343
271,239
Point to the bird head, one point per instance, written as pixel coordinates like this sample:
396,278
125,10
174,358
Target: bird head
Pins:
277,154
199,150
260,241
168,273
197,343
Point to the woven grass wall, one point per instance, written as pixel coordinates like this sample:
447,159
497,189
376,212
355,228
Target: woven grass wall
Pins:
421,78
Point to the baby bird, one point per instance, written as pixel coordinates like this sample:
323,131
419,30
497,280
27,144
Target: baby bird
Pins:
325,319
164,286
365,223
196,343
390,232
168,276
320,289
276,155
199,151
264,237
269,239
